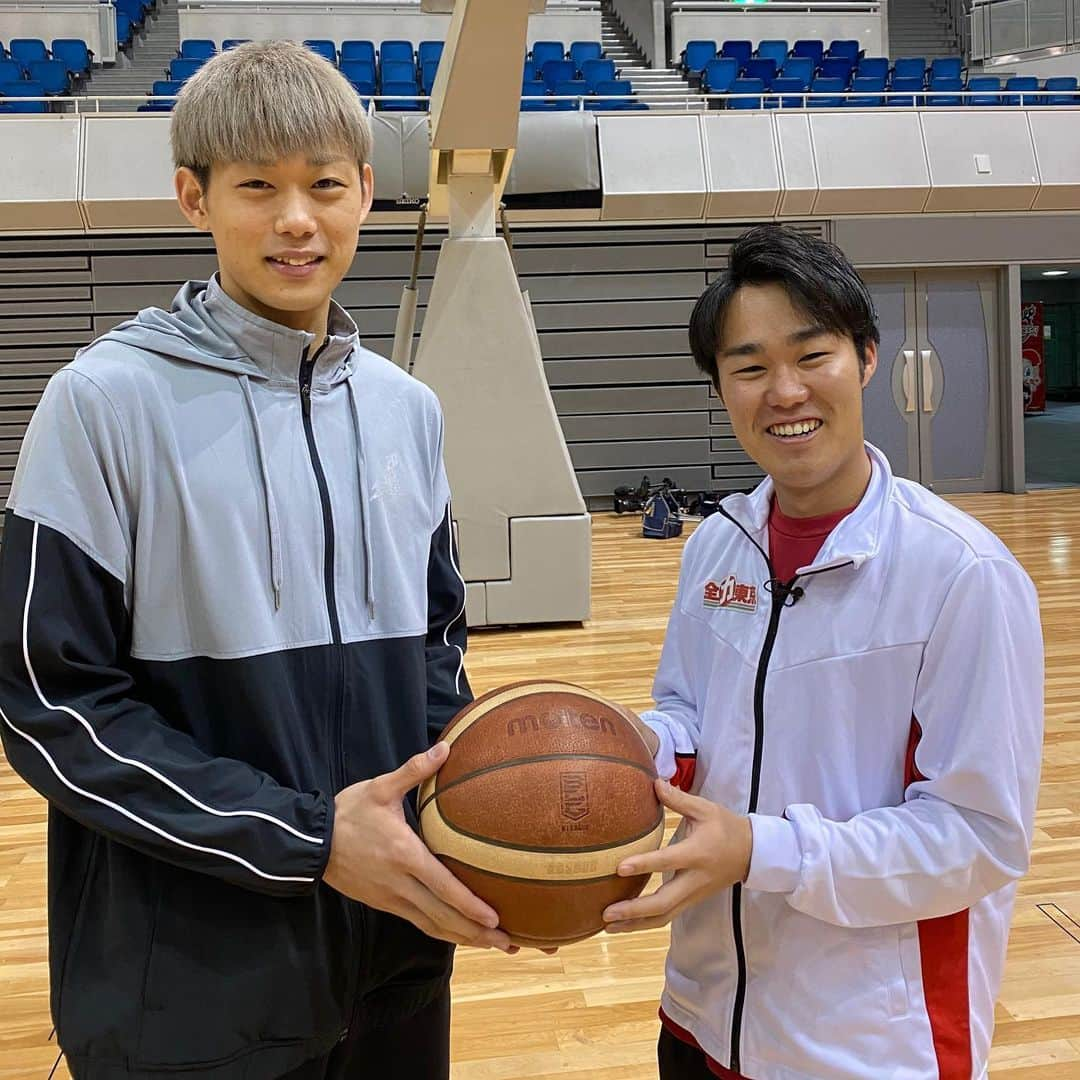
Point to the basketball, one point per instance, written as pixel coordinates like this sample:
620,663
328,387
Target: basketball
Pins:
548,787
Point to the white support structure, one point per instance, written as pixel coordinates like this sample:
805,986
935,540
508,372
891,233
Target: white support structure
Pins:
522,525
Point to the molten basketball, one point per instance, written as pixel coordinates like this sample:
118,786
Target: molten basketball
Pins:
547,788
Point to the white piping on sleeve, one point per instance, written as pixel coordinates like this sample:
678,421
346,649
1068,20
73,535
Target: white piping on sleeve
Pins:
449,625
138,820
284,825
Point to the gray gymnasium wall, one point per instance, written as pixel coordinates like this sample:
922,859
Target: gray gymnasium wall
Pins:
611,307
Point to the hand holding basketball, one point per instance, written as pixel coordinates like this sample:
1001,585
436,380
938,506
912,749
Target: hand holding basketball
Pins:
376,858
713,854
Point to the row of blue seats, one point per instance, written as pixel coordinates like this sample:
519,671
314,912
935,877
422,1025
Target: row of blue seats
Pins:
613,95
870,93
131,16
21,53
699,52
723,70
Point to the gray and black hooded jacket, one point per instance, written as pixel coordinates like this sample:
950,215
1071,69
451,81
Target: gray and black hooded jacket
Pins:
228,590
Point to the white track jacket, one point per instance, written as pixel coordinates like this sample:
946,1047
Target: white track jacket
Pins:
884,732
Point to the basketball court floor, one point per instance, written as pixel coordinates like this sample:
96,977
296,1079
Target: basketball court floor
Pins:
590,1011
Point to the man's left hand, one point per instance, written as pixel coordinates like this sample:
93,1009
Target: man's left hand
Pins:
713,854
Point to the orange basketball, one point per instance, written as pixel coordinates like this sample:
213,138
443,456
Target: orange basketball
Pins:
548,787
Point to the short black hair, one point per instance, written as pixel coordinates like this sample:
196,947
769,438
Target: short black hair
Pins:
816,275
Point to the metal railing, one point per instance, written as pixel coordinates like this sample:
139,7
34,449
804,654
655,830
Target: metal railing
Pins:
1005,30
693,102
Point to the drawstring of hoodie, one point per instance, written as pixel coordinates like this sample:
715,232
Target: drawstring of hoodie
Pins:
268,497
365,507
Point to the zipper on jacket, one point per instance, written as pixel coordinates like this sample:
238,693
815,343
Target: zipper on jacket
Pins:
778,601
337,766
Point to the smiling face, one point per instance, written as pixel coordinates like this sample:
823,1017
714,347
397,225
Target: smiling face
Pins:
793,390
286,233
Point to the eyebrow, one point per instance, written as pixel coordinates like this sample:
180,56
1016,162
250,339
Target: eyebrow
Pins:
753,348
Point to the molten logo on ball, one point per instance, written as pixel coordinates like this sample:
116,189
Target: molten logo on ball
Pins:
519,725
575,795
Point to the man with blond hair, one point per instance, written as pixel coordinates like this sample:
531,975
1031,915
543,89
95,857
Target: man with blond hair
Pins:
233,626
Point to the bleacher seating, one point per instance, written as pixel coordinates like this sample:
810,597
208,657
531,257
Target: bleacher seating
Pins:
867,92
909,85
873,67
1022,83
428,52
596,71
26,51
361,73
798,67
1063,89
910,67
696,55
947,91
989,83
719,74
747,94
358,50
326,49
946,67
558,71
10,93
197,49
75,56
773,49
760,67
826,84
810,48
543,51
10,72
181,70
52,76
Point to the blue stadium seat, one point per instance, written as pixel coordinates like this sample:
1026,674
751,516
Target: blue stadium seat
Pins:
161,88
910,67
580,51
620,94
182,70
1061,90
946,67
747,94
528,73
799,67
124,29
323,47
361,73
24,51
567,89
397,50
790,90
826,84
134,10
866,92
947,92
909,85
397,71
739,48
597,71
719,74
406,93
197,49
873,67
773,49
1027,85
836,67
809,47
11,92
762,68
52,75
845,47
427,51
558,71
231,43
696,55
989,83
428,71
358,50
76,57
543,51
533,95
10,72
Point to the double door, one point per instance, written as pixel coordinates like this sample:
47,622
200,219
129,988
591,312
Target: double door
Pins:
933,406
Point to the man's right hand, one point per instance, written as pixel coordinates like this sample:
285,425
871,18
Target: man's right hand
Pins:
376,858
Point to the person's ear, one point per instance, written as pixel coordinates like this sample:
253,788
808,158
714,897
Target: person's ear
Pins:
192,198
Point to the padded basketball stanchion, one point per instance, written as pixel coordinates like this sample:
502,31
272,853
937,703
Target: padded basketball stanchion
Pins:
405,326
523,530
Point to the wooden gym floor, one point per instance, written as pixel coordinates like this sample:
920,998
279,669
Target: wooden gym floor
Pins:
590,1011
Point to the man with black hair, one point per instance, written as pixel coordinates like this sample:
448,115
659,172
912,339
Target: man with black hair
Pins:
851,687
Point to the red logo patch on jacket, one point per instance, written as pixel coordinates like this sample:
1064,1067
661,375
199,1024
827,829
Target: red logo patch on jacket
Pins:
730,593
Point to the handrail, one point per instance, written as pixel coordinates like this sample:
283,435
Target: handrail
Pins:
979,25
688,102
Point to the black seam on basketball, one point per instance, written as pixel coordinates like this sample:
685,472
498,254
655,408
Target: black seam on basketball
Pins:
648,770
558,884
561,850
